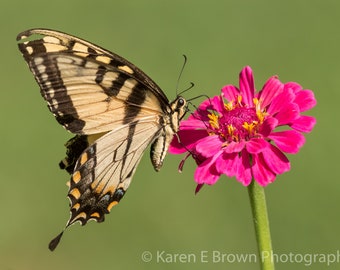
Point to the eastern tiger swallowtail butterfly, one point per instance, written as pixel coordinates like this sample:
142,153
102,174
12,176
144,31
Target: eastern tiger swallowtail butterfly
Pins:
114,109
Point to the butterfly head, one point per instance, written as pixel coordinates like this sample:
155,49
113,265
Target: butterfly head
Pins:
179,108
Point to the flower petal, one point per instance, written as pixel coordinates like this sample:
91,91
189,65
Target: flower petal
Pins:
247,88
287,114
280,101
283,108
256,145
305,99
270,90
268,126
230,92
192,123
209,146
293,86
304,123
235,147
215,103
276,160
261,172
289,141
206,172
188,139
227,164
243,173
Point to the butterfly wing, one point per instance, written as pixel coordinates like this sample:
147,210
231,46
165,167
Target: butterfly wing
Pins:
104,171
88,89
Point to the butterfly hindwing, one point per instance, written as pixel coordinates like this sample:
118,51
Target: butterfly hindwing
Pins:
104,170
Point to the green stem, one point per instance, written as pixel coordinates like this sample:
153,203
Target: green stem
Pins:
261,223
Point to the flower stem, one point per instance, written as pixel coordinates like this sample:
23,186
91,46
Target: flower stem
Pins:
261,223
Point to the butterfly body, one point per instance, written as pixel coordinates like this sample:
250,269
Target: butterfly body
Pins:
115,110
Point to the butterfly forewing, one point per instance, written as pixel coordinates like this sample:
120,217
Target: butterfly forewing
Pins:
87,88
114,109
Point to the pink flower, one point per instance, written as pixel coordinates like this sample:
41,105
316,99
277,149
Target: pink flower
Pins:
235,133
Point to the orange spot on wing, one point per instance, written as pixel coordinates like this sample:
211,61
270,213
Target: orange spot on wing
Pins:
76,206
95,215
112,204
80,216
75,193
83,158
76,177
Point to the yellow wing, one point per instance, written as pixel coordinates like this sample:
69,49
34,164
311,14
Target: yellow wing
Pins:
88,89
104,171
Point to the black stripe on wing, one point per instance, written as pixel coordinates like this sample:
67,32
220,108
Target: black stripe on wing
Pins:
71,71
49,41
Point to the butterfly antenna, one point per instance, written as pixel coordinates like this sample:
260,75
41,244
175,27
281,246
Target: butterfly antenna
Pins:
180,73
198,97
179,78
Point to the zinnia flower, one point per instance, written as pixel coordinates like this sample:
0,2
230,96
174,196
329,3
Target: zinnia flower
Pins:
236,133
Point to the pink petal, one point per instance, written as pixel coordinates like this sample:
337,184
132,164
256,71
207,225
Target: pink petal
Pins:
268,126
209,146
305,99
283,108
230,92
271,89
188,139
206,172
289,141
276,160
261,172
247,88
256,145
199,116
288,114
243,173
215,103
192,123
235,147
227,164
304,123
293,86
280,101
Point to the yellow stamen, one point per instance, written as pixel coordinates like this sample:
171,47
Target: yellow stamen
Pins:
239,99
229,106
260,114
250,127
213,121
231,132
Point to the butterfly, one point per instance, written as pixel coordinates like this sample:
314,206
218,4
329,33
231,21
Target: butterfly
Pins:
114,109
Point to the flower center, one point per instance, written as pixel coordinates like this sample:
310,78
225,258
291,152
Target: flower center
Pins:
238,121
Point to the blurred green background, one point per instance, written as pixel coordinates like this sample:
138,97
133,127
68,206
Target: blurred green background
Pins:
297,40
